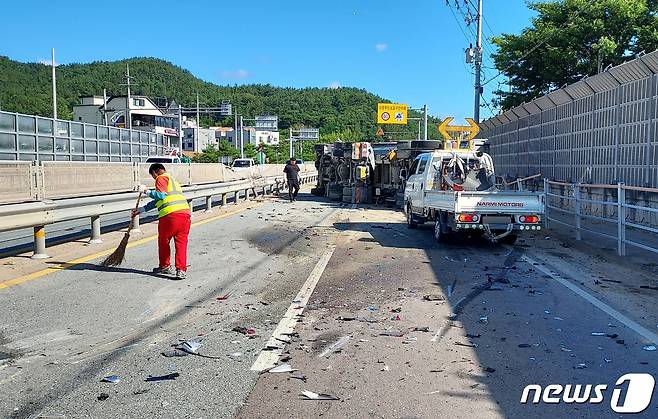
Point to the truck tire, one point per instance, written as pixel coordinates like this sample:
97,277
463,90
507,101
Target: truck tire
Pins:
439,234
411,222
509,239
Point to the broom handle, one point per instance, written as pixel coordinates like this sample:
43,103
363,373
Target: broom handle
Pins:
132,219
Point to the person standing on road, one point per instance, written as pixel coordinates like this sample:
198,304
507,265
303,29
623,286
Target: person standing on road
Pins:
174,220
292,174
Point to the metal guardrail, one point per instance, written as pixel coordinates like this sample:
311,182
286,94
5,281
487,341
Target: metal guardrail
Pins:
47,211
617,217
27,181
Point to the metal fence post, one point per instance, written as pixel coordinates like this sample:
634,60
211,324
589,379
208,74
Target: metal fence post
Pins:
135,227
40,243
236,197
95,230
577,211
190,202
209,204
546,216
621,219
246,194
224,196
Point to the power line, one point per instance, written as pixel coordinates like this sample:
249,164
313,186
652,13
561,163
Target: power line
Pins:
468,19
486,22
458,21
493,113
533,49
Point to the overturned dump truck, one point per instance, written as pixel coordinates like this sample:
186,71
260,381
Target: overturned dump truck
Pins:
455,188
366,172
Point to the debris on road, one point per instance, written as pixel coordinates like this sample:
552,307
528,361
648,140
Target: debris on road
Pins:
598,334
174,353
113,379
335,347
471,336
301,377
580,366
223,297
410,339
484,319
524,345
468,345
393,333
421,329
102,397
251,332
309,395
190,346
282,368
166,377
489,370
235,355
396,310
433,297
649,348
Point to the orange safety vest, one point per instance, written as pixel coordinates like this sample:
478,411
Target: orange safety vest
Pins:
174,201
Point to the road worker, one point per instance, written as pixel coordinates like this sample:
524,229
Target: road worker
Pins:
174,220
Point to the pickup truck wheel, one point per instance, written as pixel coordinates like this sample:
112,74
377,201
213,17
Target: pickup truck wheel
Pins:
411,223
440,235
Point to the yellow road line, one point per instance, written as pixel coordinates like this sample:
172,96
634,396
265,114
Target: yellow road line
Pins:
66,265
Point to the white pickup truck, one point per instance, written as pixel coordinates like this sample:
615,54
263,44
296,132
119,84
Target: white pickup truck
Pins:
456,189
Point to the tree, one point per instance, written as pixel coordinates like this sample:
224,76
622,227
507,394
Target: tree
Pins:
571,39
212,153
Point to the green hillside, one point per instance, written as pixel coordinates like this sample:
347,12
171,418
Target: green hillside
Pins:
344,112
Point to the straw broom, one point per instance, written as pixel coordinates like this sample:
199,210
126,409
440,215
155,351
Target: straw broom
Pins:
116,258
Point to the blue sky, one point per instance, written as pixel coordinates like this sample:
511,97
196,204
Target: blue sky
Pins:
408,51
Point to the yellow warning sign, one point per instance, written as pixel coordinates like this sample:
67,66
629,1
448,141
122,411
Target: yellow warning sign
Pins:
380,132
392,113
468,131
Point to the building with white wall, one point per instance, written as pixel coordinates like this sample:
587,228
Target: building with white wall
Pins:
144,114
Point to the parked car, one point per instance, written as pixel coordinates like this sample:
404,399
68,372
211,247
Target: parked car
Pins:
164,159
241,164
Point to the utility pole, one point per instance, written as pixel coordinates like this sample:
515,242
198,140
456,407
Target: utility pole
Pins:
290,140
478,65
241,138
129,119
104,106
425,122
54,87
198,118
235,124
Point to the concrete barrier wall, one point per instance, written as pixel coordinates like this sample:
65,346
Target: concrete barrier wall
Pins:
16,179
28,181
68,179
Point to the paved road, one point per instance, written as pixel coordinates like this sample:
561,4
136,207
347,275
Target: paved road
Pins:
499,318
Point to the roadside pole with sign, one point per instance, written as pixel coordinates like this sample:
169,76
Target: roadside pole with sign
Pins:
458,136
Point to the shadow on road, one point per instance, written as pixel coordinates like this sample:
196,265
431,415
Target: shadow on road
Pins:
98,268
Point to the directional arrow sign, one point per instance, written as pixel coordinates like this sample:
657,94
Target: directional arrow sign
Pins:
472,128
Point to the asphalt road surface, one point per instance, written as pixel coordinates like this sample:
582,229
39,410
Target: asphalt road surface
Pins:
383,318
